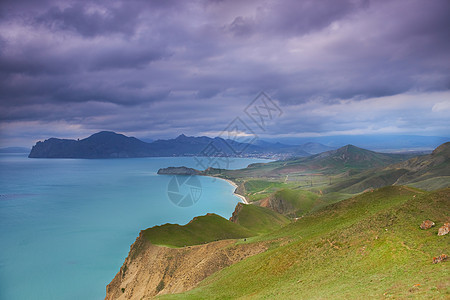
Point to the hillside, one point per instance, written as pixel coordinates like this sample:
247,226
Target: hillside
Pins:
200,230
258,219
428,172
369,246
108,144
173,258
345,159
423,168
150,270
297,186
290,202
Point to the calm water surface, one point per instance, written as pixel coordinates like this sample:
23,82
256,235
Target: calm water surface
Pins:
66,225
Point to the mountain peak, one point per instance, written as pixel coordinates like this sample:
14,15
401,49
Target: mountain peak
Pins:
105,135
350,148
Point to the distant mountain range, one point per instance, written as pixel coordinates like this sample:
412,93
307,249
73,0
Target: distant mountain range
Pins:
106,144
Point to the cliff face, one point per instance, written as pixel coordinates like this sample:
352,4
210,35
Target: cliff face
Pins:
278,204
234,217
151,270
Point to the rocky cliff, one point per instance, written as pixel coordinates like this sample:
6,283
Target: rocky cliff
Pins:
151,270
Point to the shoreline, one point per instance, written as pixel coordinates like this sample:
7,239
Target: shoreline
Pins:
244,200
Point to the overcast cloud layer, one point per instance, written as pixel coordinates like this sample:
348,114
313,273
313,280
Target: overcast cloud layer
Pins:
156,69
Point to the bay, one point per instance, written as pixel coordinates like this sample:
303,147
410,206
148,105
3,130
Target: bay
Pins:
66,225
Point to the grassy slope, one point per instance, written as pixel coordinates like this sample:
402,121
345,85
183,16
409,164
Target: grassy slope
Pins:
432,183
301,201
260,219
200,230
368,179
256,189
366,246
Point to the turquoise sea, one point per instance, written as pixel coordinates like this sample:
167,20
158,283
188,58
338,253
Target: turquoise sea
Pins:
66,225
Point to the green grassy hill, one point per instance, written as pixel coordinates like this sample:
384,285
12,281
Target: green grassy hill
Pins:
368,246
258,219
293,203
200,230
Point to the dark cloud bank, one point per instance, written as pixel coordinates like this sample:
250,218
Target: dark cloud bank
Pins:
159,68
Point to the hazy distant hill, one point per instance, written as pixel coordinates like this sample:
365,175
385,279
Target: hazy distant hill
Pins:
108,144
381,142
14,150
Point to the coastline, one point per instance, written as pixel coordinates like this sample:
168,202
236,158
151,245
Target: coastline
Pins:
244,200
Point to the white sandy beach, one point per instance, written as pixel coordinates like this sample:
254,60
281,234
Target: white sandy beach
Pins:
244,200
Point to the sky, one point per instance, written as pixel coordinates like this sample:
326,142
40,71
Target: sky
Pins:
159,68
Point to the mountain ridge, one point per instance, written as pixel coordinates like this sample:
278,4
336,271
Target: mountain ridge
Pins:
108,144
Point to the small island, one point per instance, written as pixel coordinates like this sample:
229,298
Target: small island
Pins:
178,171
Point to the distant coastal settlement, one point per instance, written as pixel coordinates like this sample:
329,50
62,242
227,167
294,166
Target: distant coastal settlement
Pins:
185,171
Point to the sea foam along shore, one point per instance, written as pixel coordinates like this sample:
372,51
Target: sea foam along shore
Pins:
244,200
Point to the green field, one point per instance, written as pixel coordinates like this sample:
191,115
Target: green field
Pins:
368,246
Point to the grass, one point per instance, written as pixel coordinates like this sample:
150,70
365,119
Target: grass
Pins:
257,189
200,230
299,201
259,219
433,183
366,180
369,246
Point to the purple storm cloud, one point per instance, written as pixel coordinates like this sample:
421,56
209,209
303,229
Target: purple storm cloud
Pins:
158,68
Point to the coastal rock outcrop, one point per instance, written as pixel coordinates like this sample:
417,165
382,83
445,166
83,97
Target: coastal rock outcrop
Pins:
237,210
